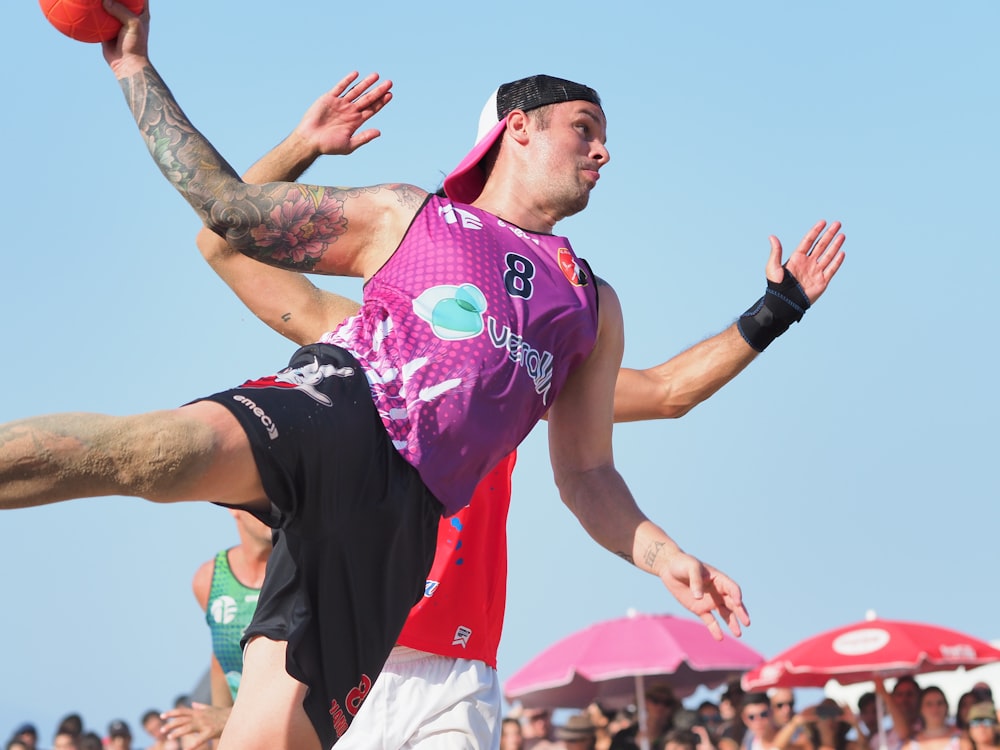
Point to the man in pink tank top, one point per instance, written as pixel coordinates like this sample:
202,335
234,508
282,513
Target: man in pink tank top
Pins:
311,450
456,627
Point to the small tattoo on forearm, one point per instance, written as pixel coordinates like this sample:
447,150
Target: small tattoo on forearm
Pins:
651,553
286,317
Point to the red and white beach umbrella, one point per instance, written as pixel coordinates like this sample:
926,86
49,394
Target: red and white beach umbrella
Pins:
868,650
871,649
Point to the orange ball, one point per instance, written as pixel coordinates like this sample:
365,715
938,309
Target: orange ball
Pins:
85,20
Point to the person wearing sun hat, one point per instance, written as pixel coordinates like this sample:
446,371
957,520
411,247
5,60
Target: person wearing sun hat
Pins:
578,733
982,732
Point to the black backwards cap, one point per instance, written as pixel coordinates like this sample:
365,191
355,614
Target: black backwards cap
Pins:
466,181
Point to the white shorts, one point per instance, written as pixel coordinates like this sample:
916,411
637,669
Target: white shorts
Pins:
426,701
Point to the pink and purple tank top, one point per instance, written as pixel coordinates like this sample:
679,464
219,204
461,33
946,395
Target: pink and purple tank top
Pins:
466,334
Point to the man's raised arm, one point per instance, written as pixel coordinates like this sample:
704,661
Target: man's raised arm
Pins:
295,226
673,388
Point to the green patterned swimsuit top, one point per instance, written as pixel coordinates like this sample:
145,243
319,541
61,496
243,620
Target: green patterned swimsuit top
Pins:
230,608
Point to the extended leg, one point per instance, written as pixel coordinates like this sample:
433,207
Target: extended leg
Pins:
197,452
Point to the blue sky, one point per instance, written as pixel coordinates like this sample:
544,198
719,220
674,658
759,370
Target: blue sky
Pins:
850,468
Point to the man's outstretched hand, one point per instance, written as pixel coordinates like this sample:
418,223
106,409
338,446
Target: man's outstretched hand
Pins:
330,125
813,263
706,592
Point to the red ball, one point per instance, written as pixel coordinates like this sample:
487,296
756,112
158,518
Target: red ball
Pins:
85,20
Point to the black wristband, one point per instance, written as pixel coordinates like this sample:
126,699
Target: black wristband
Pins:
781,305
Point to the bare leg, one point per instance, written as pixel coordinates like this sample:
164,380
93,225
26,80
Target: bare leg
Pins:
197,452
268,713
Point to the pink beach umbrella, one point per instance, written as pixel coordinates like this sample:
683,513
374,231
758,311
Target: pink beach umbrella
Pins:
610,661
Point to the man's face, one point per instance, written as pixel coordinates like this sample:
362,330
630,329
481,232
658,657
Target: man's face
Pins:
153,725
907,697
659,709
710,716
782,706
64,742
536,724
567,153
869,714
118,742
511,735
757,718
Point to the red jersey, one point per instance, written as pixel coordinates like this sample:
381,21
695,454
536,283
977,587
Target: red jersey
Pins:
461,613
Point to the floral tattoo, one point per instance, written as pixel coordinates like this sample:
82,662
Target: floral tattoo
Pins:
287,225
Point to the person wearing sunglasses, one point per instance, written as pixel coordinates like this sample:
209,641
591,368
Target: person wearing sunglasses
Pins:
982,731
762,733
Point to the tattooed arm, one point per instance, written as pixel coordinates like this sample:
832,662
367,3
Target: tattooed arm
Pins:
287,301
340,231
590,485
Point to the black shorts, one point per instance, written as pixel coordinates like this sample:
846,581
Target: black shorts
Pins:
358,528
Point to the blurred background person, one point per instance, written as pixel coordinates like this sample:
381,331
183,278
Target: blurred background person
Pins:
983,693
601,718
71,724
782,705
511,736
27,735
982,730
906,695
760,729
825,726
119,735
680,739
661,704
536,726
730,733
690,722
937,733
152,725
868,717
710,717
903,706
965,702
624,718
576,734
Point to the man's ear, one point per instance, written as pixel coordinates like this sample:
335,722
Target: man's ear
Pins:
517,126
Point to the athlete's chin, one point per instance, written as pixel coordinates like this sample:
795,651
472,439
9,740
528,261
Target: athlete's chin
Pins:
577,205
